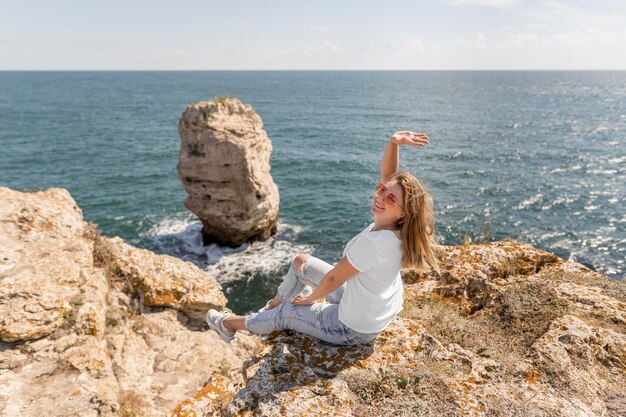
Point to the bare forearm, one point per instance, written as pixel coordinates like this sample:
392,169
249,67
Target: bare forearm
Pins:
389,164
327,285
333,279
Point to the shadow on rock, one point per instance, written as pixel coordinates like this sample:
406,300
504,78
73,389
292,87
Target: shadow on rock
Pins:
303,366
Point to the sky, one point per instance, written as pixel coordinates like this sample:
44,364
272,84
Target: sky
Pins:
312,35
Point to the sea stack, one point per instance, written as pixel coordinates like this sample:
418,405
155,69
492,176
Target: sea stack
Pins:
224,167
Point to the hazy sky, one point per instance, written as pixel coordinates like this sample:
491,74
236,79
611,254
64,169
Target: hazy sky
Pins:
390,34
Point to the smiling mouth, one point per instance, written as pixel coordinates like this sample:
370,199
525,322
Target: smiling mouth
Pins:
377,206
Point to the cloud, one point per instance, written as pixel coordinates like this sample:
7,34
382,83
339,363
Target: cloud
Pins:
556,11
402,45
303,48
485,3
561,24
586,37
413,45
479,42
589,36
329,46
520,39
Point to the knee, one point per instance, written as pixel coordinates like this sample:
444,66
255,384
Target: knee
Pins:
299,261
283,312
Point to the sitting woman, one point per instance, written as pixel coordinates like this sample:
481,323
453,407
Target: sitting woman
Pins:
364,291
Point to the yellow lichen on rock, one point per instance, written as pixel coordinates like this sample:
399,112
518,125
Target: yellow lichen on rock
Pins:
211,400
506,329
165,281
76,337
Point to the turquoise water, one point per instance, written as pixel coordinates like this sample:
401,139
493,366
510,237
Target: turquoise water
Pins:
537,156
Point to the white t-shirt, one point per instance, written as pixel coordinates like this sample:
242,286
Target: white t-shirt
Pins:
373,297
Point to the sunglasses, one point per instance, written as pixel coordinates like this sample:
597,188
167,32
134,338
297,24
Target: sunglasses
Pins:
389,198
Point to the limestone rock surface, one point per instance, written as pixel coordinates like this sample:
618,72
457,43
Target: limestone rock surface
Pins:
164,281
506,330
224,167
43,254
91,326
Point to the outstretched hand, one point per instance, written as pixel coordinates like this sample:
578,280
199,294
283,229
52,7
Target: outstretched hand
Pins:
302,300
406,137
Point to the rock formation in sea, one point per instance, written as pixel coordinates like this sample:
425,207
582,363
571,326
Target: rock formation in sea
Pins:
92,326
224,165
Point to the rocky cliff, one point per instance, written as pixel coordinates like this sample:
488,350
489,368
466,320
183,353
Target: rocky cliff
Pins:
507,330
91,326
224,167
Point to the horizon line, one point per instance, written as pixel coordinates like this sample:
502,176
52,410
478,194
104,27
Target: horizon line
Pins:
310,70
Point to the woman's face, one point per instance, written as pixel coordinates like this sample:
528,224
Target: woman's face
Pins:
384,212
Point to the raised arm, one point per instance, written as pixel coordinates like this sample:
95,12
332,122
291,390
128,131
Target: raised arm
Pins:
389,164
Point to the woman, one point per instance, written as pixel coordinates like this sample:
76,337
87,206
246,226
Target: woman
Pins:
364,290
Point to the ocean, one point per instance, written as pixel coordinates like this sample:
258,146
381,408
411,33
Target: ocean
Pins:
538,156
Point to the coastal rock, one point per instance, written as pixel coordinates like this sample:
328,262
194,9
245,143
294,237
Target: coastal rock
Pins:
543,338
585,360
77,338
213,397
224,167
43,255
160,357
472,274
162,280
506,329
52,310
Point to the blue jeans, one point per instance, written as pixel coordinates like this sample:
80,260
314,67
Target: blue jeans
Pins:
320,320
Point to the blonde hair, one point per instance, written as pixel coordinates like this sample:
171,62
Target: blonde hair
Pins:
417,226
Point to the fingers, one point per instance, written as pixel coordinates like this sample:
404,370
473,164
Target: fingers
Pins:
301,300
411,138
298,300
407,134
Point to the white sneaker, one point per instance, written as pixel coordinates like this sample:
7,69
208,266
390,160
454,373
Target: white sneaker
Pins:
262,309
215,320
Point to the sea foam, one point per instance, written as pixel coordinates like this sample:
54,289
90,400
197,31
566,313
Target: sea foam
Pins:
181,236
